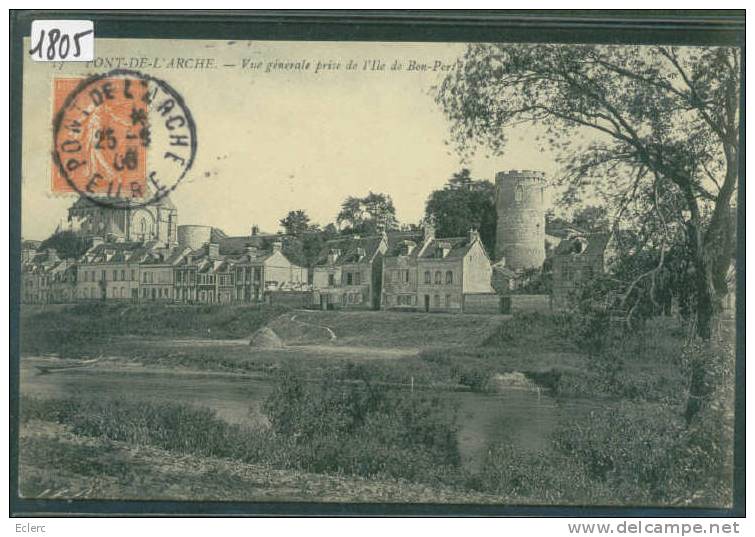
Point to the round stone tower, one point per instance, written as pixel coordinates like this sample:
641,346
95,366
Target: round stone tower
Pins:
520,206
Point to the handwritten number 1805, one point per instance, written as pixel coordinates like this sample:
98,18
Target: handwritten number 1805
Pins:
59,46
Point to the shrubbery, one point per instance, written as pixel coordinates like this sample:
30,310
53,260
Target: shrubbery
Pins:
354,427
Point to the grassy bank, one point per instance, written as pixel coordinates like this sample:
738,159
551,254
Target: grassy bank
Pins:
58,464
346,418
90,329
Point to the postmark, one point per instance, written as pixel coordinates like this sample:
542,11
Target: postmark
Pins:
121,139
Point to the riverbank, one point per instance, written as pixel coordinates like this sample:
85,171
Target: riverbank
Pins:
513,408
92,468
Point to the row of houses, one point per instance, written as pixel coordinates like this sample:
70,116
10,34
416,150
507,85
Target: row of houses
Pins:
400,270
405,271
145,271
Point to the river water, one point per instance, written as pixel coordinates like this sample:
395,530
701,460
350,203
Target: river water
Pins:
524,417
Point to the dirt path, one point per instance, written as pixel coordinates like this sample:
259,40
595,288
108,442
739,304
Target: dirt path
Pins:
327,328
354,352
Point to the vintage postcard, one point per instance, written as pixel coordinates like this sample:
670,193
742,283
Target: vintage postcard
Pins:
373,272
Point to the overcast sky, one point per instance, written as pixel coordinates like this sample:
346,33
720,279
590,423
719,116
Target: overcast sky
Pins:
273,142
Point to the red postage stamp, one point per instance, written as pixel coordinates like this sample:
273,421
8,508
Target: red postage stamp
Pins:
102,138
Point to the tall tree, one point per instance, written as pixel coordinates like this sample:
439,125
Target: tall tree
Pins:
68,244
296,223
371,214
656,128
463,205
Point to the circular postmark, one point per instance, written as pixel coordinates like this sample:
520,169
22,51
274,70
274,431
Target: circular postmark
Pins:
121,139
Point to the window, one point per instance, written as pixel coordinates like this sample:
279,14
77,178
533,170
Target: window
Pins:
115,275
144,277
449,277
349,278
405,300
436,301
123,275
123,293
144,293
519,193
448,301
357,278
103,276
133,274
438,277
427,277
406,275
331,280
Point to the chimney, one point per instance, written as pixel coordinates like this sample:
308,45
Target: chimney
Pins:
96,241
255,230
277,246
474,235
250,250
333,255
52,254
361,252
409,247
213,250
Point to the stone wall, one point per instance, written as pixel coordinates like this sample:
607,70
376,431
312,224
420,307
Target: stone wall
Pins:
482,303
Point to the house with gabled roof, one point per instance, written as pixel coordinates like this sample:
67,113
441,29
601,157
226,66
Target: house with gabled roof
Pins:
454,275
576,260
348,272
400,268
36,276
242,273
111,271
156,278
62,285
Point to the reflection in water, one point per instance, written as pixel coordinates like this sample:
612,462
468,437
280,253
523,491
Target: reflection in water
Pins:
523,417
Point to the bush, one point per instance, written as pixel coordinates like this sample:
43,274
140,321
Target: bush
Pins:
544,477
632,448
355,427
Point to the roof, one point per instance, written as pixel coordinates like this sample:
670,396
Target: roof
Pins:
593,244
558,227
349,248
397,241
457,248
121,252
237,245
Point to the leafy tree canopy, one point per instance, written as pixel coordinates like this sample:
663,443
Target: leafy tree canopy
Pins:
68,244
654,129
371,214
297,222
464,204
